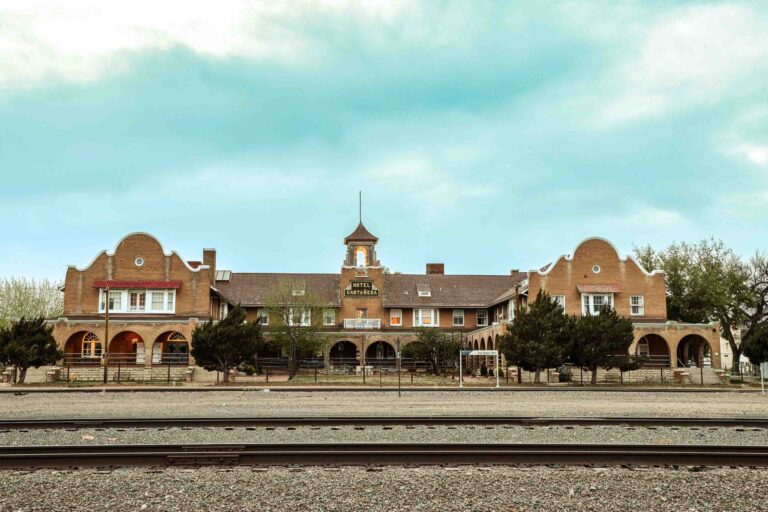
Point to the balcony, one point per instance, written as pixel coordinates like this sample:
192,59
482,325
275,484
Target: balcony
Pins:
362,323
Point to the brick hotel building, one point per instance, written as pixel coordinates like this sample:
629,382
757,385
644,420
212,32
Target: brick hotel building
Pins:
156,299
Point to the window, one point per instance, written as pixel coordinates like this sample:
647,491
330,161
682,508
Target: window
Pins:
593,303
560,300
423,290
458,317
299,316
298,293
395,317
361,313
637,305
158,301
642,347
91,346
137,300
223,310
361,257
596,269
262,316
482,317
425,318
139,261
329,316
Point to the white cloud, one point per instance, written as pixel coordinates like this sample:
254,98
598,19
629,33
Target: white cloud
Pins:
692,56
82,40
757,154
426,187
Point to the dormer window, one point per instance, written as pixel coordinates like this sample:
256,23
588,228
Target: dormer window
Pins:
298,293
423,290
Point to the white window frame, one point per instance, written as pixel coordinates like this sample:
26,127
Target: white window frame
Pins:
640,311
588,302
458,313
329,313
304,321
121,298
263,315
477,317
223,310
419,315
560,300
398,315
643,348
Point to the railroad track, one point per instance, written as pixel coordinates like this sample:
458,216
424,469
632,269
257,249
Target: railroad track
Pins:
78,423
378,455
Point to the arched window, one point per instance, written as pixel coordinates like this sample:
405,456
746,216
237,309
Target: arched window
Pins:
91,345
361,257
176,336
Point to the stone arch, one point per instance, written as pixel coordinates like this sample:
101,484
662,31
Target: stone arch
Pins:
344,353
127,347
171,347
694,350
380,353
656,348
83,347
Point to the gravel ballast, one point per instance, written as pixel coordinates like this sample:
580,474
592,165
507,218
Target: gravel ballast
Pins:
264,403
385,489
394,434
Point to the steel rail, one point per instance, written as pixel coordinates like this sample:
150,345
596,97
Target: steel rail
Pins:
297,421
380,454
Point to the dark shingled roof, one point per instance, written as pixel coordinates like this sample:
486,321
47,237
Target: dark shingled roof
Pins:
400,290
252,289
360,234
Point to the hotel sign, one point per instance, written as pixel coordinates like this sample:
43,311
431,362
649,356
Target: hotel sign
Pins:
361,289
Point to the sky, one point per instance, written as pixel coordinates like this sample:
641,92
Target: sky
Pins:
485,135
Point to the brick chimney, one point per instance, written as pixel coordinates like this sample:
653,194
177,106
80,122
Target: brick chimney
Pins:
514,271
435,269
209,258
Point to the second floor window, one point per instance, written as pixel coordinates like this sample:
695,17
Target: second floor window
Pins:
262,316
637,305
425,318
560,301
139,301
299,316
593,303
458,317
329,316
482,317
395,317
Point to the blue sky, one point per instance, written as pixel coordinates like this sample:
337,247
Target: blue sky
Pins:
486,135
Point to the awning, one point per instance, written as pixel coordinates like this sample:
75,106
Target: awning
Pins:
141,285
598,288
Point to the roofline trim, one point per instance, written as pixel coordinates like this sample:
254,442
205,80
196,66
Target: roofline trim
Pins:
569,257
153,237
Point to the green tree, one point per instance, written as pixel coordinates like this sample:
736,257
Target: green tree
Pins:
756,345
708,282
224,345
536,340
440,349
599,341
28,343
296,321
21,297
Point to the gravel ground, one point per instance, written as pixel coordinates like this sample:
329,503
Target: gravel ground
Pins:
386,489
260,403
394,434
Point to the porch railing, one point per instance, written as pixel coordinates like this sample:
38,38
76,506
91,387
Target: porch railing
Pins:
657,361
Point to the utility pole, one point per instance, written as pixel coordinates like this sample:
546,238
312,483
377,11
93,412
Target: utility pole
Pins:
105,351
